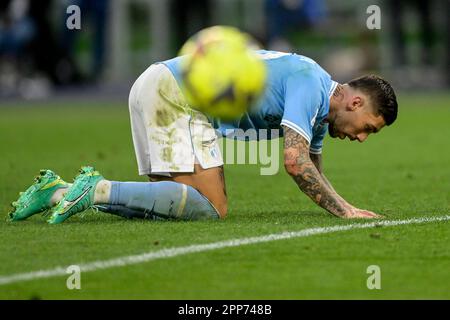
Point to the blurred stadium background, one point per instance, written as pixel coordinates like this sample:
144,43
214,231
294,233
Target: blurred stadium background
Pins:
40,58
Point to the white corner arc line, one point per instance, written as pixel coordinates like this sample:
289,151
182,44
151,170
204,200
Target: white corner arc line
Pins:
178,251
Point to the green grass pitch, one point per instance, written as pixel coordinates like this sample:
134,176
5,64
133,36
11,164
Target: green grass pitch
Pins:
403,172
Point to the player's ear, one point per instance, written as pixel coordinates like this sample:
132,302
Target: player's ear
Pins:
356,102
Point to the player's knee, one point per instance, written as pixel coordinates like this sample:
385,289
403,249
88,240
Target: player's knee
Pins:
222,209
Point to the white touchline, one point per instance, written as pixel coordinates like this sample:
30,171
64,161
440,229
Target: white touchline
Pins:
178,251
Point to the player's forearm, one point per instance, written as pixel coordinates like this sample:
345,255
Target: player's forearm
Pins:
328,183
317,160
299,165
310,181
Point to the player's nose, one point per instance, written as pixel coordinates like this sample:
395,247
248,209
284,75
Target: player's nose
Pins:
361,137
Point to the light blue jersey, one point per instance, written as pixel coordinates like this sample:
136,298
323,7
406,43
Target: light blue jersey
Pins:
297,95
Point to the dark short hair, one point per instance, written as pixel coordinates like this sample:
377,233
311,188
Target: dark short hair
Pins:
380,93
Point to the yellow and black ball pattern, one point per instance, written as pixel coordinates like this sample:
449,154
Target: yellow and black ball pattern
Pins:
222,74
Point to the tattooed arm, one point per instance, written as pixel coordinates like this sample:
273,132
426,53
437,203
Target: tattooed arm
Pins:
299,165
317,160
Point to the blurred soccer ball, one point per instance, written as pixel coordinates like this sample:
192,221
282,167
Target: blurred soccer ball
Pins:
222,75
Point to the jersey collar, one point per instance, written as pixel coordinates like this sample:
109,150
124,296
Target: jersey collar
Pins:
332,88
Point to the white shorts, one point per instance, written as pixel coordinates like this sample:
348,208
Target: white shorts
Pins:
168,135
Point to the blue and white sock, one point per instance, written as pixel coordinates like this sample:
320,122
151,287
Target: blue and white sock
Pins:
165,199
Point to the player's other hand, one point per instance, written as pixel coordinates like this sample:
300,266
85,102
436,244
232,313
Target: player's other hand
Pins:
355,213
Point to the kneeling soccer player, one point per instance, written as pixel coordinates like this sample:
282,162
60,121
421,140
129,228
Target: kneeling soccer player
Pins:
177,147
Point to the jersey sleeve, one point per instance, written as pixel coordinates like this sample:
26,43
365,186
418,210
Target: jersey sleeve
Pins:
302,102
317,140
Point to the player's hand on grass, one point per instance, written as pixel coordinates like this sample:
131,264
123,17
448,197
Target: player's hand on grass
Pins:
355,213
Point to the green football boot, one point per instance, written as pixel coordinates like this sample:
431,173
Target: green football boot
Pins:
37,197
79,197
